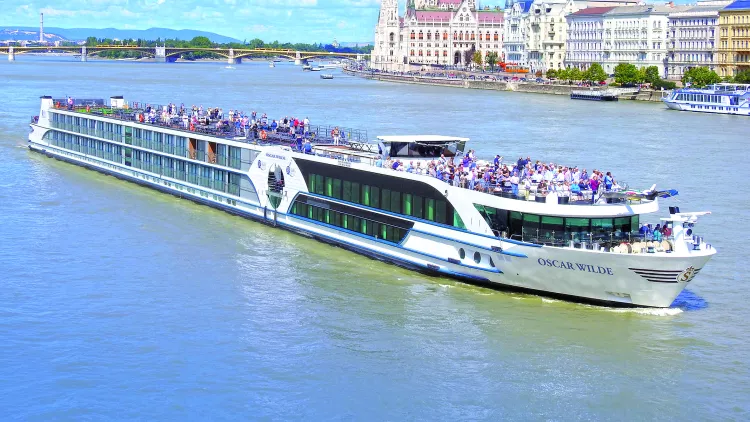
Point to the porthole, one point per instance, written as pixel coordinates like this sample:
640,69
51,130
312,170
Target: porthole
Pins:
477,257
462,253
492,263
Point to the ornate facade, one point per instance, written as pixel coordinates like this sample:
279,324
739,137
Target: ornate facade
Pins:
435,33
693,38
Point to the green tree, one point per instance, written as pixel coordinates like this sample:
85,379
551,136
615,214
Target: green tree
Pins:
563,74
651,75
575,74
627,73
595,73
551,73
700,77
492,59
477,58
743,77
202,42
91,41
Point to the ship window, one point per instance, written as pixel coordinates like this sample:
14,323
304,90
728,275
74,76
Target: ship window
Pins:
386,203
329,186
406,205
430,209
319,187
375,196
355,192
552,227
440,212
365,195
576,228
337,188
347,191
417,206
396,202
601,227
622,225
477,257
461,253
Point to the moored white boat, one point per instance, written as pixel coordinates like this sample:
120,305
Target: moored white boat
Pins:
338,194
724,98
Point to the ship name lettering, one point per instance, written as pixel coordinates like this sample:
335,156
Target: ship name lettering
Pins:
574,266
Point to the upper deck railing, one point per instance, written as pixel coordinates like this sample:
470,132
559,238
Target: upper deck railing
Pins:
319,134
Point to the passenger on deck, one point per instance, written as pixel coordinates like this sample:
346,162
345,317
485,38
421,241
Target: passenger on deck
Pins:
308,147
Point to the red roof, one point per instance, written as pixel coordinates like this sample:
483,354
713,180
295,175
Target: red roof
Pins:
593,11
488,16
433,16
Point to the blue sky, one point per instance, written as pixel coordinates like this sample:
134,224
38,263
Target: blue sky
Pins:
282,20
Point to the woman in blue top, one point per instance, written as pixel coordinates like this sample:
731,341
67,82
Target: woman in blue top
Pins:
608,181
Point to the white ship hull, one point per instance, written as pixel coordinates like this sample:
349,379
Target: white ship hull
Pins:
583,275
707,108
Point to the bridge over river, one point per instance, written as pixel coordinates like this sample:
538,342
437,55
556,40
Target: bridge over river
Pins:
170,54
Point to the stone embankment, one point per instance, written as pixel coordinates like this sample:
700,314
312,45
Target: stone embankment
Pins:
536,88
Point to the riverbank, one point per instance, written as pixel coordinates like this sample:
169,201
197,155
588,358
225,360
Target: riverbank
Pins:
529,87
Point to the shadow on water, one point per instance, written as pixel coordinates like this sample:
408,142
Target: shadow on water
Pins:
689,301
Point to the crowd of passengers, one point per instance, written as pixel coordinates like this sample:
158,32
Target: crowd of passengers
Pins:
515,178
235,121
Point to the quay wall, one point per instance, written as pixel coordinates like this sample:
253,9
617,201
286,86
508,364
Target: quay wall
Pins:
642,95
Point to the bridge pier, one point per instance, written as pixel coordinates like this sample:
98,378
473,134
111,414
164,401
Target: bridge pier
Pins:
160,54
84,56
234,60
298,60
11,54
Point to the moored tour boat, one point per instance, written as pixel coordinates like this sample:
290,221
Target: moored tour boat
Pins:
339,193
723,98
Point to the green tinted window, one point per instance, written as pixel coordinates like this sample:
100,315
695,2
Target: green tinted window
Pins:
396,202
347,191
355,192
336,189
440,212
386,202
406,205
417,206
374,197
429,209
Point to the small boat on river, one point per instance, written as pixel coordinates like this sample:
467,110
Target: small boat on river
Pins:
326,76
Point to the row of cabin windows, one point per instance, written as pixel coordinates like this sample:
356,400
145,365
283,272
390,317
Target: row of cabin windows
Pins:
385,199
349,222
550,229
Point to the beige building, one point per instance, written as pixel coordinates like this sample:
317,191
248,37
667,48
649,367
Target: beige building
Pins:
734,38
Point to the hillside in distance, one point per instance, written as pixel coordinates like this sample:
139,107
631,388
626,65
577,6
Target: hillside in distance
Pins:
80,34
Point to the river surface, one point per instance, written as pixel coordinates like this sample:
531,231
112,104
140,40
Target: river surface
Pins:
119,302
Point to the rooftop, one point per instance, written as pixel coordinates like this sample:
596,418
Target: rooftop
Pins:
591,11
421,138
739,5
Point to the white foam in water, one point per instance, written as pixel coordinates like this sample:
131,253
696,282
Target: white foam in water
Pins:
650,311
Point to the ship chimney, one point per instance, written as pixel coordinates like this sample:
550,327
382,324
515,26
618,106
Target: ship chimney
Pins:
41,27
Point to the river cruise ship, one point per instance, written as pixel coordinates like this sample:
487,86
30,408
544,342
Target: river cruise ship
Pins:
336,191
721,98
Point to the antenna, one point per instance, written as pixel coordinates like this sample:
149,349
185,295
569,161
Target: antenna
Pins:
41,27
